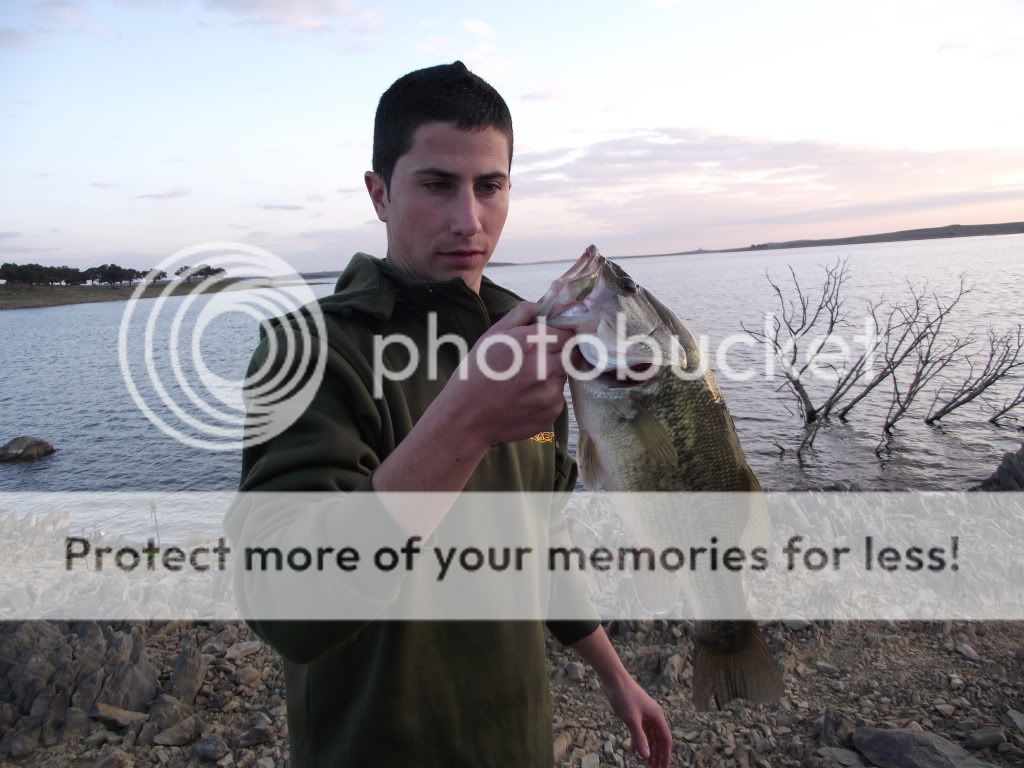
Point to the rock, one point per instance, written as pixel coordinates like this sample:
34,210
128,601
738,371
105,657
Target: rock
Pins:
265,762
241,650
211,748
590,760
25,448
671,671
968,652
561,745
903,748
575,671
247,676
990,736
24,743
76,724
1015,718
261,734
132,678
796,625
166,711
180,735
116,717
834,729
842,756
946,710
1008,476
116,758
188,675
826,668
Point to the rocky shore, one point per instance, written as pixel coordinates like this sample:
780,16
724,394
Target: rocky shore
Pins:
196,694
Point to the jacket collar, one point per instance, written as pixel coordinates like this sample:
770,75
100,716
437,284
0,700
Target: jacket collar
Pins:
373,286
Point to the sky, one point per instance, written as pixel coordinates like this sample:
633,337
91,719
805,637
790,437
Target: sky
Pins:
131,129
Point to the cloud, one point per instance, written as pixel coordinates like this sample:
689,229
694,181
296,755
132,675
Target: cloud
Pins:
14,38
544,94
302,15
66,14
170,194
41,175
102,185
315,198
280,207
9,235
478,27
676,189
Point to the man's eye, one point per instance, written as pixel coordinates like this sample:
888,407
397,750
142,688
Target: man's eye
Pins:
436,186
491,188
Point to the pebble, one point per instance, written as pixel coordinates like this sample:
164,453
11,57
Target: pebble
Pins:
116,758
968,652
575,671
211,748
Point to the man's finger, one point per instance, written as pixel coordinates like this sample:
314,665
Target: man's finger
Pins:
521,314
639,739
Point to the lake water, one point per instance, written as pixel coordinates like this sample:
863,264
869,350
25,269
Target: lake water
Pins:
60,377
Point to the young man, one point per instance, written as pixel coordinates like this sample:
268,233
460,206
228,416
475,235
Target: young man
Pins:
391,693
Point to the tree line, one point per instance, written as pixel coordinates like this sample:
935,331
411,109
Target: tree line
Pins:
105,274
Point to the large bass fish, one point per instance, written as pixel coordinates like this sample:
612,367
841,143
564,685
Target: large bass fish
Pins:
655,430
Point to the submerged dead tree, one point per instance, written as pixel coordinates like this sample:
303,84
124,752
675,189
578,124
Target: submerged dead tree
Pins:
1008,406
1004,356
787,335
908,326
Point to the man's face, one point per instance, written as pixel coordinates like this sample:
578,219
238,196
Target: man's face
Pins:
447,203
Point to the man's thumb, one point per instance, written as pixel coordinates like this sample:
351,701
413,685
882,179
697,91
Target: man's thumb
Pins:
522,313
639,740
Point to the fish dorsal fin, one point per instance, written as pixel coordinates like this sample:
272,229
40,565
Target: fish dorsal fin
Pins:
586,458
656,440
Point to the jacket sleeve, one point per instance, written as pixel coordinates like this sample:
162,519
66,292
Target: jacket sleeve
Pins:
330,448
567,632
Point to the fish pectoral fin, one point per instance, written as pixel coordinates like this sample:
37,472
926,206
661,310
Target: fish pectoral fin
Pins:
586,458
743,670
656,440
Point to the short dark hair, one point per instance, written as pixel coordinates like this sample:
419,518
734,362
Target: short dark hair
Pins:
447,93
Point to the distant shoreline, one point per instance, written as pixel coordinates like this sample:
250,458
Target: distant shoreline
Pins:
22,297
26,297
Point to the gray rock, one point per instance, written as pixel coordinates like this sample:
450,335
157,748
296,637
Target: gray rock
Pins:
261,734
166,711
180,735
115,717
904,748
575,671
796,625
115,758
1015,718
24,743
590,760
671,670
25,448
1009,475
834,729
265,762
148,734
211,748
990,736
839,755
76,724
132,678
241,650
188,675
968,652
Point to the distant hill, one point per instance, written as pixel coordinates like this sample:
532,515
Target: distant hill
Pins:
929,233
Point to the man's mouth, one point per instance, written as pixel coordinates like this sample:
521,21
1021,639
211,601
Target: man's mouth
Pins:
460,253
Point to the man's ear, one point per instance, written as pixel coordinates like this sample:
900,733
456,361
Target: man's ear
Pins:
378,192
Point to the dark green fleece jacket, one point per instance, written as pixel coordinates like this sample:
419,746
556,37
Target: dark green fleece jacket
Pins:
388,693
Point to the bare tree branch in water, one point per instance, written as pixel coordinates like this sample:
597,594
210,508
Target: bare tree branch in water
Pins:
786,333
1004,356
907,326
930,358
1008,406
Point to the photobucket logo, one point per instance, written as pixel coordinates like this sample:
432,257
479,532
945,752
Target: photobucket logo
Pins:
632,358
222,291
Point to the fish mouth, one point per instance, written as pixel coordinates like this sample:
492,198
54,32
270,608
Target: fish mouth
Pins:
619,376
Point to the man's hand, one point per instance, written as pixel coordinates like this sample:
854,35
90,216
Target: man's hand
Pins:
648,728
510,385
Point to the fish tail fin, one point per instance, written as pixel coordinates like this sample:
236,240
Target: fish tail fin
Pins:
740,669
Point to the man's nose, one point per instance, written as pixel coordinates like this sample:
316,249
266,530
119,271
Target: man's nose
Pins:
465,215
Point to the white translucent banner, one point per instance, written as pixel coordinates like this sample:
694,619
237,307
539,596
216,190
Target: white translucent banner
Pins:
363,556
